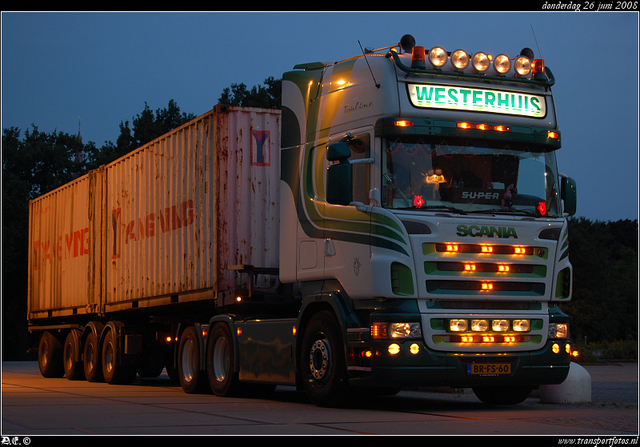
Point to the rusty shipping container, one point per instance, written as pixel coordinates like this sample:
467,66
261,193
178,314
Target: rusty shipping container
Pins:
178,220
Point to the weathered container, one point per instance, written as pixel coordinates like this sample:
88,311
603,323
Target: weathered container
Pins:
180,219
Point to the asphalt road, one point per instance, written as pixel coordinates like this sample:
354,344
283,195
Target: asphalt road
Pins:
33,405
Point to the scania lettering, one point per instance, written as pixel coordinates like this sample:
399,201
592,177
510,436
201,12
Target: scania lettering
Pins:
401,222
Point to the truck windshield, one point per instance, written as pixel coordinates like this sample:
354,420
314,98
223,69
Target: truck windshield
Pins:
469,176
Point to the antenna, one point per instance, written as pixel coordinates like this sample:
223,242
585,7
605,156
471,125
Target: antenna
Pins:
367,61
534,38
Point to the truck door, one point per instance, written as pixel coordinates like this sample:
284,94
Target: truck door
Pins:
347,227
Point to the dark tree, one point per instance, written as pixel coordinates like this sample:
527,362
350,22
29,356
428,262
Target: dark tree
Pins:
268,96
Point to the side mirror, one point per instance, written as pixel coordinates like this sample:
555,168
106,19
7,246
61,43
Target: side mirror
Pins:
569,195
338,152
339,176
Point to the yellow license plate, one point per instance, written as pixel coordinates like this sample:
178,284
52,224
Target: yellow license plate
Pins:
488,368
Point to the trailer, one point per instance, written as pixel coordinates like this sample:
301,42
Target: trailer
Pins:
401,222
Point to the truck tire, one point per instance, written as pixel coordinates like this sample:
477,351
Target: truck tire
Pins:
113,371
220,359
73,367
50,356
192,379
322,362
502,395
91,359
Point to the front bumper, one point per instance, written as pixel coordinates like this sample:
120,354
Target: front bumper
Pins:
428,368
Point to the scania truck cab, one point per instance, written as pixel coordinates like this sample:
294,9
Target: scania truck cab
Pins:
422,204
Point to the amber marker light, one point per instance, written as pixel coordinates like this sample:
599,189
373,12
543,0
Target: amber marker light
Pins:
486,249
464,125
403,123
452,248
553,135
501,128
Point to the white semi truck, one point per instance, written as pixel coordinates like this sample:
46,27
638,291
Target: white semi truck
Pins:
401,222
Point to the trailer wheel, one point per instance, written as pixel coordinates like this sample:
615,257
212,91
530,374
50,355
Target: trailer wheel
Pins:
73,368
91,361
499,395
220,358
322,361
50,356
192,379
113,371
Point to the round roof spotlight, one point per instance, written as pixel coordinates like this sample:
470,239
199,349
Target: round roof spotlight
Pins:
460,59
437,57
522,65
481,62
502,64
407,43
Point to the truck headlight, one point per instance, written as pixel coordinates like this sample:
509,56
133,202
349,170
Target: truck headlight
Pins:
559,330
395,330
405,330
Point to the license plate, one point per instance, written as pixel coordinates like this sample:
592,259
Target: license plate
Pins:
488,368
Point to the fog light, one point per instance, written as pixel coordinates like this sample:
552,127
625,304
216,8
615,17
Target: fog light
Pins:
555,348
500,325
479,325
394,349
414,348
458,325
567,348
521,325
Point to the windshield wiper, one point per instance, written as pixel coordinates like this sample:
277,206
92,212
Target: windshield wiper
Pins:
503,211
434,208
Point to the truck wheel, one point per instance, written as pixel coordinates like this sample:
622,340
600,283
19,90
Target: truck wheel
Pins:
322,361
192,379
502,395
220,358
112,371
92,368
50,356
73,368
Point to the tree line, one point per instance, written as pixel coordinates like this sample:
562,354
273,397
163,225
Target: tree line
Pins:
604,255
